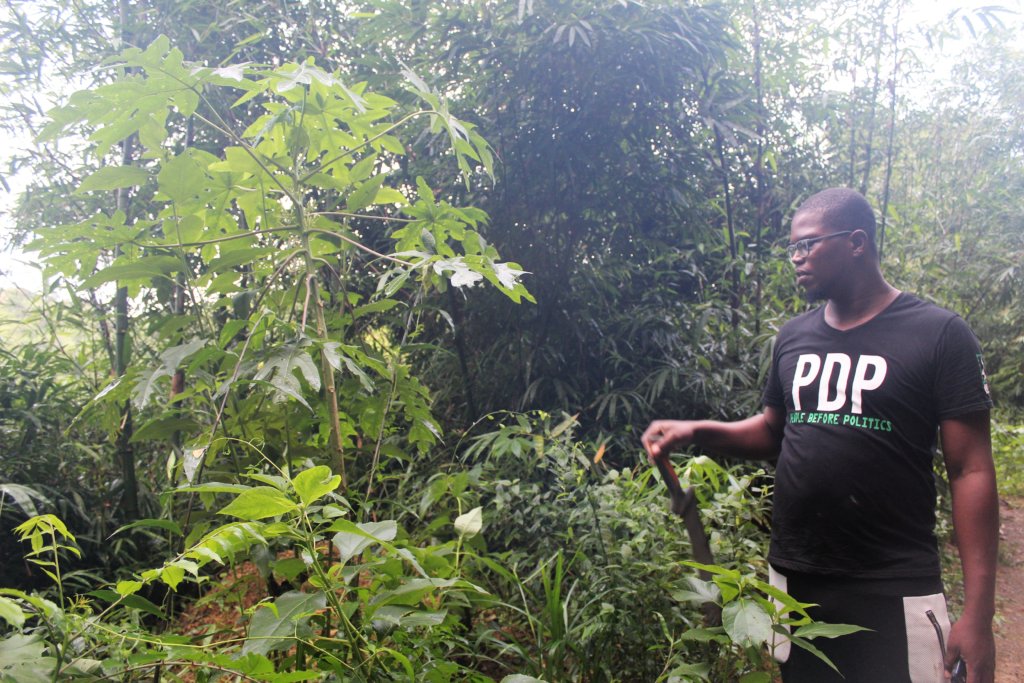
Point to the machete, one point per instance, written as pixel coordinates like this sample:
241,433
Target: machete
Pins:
684,504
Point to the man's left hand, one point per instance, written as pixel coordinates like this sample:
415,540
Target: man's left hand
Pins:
975,643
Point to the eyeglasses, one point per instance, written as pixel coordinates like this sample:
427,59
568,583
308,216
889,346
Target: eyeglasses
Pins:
803,247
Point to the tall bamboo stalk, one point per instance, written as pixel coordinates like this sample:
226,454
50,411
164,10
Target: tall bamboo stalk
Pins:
124,447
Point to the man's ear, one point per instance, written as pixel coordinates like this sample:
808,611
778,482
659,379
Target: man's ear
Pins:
861,242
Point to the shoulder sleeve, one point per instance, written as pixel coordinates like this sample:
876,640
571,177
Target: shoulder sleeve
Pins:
960,383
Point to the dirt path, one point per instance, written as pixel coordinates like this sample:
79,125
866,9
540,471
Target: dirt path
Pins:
1010,594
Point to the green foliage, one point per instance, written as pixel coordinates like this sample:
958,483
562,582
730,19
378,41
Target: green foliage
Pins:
585,558
371,595
756,616
1008,453
267,240
47,535
263,267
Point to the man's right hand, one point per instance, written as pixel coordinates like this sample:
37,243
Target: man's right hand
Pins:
755,438
662,436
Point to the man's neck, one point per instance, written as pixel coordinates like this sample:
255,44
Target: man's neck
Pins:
860,305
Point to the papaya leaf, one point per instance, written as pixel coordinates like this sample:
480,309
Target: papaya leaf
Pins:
143,269
365,194
112,178
280,369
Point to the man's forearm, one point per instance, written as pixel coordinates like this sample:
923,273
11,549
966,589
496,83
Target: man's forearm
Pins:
976,520
754,438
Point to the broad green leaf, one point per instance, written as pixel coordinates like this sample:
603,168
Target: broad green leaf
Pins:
163,427
412,591
388,195
747,623
49,609
461,274
22,660
125,588
806,645
705,635
229,331
153,523
289,568
170,574
11,612
213,487
732,575
293,75
688,672
521,678
184,177
225,542
397,615
170,360
112,178
364,195
353,538
278,482
423,618
173,356
259,502
822,630
378,306
314,483
425,193
135,602
191,461
469,524
239,257
145,385
146,268
278,627
280,369
330,351
390,615
507,275
699,591
22,496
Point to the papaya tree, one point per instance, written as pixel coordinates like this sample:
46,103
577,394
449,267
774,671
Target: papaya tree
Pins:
299,268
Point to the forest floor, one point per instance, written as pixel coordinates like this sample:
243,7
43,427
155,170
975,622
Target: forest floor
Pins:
1010,593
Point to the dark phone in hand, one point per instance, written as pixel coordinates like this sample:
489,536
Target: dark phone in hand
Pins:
959,673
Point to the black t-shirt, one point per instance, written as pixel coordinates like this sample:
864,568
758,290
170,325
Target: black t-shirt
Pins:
854,489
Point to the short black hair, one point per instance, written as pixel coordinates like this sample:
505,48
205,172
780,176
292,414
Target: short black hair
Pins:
842,209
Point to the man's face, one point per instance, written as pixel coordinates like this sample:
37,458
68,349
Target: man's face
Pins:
820,263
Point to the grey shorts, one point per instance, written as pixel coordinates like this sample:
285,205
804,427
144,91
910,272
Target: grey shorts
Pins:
901,647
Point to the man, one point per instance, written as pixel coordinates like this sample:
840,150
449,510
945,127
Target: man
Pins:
857,391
